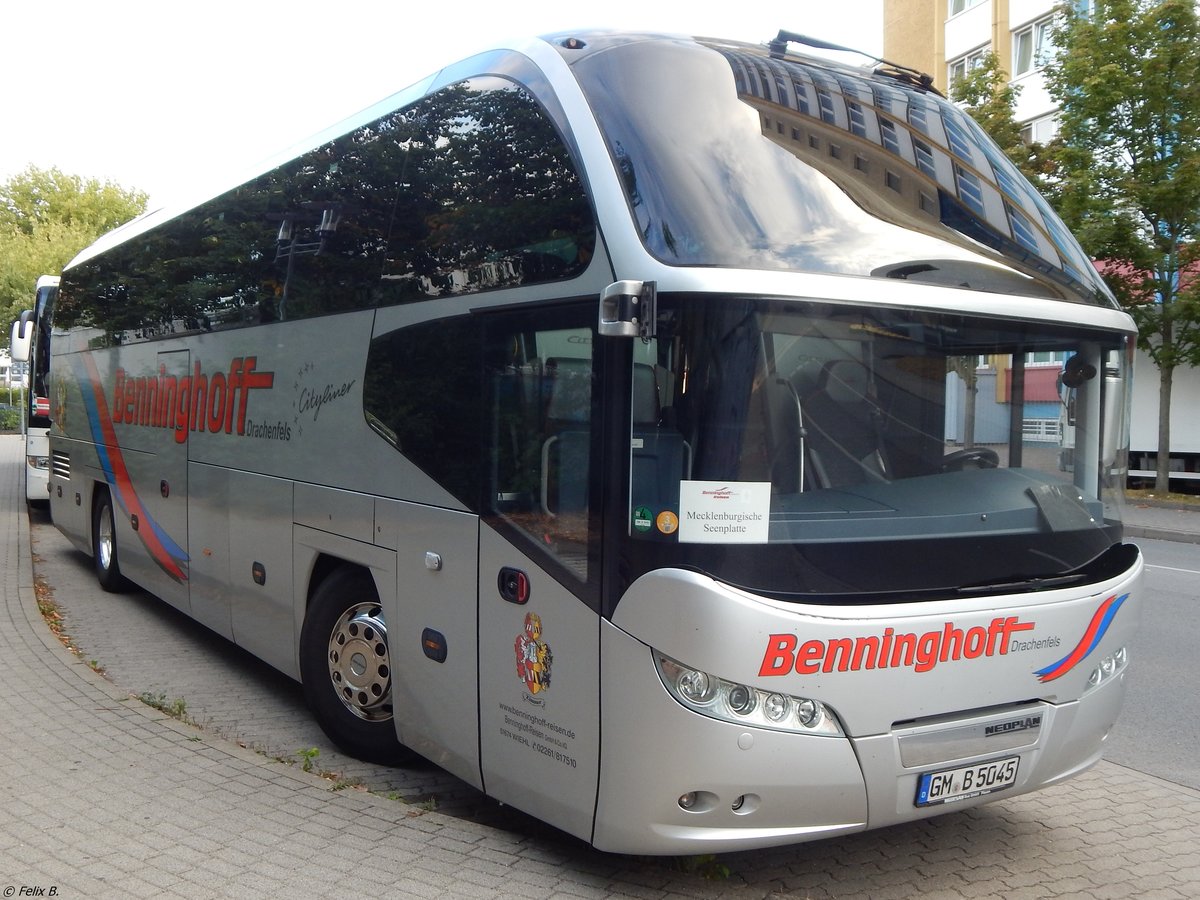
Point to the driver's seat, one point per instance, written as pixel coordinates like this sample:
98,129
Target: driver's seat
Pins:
842,426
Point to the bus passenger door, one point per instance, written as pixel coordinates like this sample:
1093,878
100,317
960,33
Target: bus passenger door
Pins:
539,567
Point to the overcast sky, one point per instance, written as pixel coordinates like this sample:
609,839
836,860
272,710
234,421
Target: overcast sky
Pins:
143,93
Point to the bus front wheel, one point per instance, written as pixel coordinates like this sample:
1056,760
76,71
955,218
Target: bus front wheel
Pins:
104,545
345,666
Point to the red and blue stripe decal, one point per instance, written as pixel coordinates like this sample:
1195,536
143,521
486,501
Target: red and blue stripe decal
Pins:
167,554
1092,636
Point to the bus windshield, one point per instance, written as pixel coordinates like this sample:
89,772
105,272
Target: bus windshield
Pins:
786,165
843,450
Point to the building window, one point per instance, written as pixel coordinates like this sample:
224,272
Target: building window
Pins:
887,99
924,157
957,6
1032,48
960,144
916,118
827,111
1022,229
1004,180
888,135
858,119
1039,131
801,98
780,90
961,67
970,191
892,180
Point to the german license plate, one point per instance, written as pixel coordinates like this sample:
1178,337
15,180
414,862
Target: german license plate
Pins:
964,782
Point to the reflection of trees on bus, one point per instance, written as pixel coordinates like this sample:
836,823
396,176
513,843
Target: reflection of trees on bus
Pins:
466,190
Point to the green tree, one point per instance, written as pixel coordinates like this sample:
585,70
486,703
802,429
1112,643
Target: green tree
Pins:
1127,80
986,94
46,217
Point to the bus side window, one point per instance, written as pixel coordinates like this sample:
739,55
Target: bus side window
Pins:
421,395
541,390
659,457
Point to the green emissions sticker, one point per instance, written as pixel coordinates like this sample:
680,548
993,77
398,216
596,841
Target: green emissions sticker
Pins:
643,519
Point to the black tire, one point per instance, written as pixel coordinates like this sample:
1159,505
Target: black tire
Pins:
105,558
345,667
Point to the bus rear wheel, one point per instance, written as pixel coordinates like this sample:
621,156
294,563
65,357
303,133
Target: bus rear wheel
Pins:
345,666
104,544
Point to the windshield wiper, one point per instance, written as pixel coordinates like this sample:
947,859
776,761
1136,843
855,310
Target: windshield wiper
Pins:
907,74
1023,584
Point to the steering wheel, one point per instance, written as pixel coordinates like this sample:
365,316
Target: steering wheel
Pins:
970,458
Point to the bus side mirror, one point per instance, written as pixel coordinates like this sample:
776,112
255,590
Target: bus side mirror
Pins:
22,337
1077,371
629,309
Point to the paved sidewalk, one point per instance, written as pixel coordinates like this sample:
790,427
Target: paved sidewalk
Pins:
1162,522
105,797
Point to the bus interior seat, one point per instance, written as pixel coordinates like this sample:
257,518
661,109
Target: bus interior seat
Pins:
843,428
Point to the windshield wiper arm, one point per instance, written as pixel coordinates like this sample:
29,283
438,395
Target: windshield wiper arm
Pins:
907,74
1023,584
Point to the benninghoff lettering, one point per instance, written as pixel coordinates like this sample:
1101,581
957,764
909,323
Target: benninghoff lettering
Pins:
195,402
920,652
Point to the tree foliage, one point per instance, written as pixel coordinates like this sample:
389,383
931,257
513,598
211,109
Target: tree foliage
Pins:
46,217
1127,80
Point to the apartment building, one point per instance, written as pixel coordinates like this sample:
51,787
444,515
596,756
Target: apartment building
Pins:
946,38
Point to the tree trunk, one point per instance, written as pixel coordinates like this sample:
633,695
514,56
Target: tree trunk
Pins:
1162,481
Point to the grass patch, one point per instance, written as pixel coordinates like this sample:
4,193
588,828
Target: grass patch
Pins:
176,709
308,758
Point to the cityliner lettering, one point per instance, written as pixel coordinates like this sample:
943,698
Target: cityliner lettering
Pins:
195,402
920,652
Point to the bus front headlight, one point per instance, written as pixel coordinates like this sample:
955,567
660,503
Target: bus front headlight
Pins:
1108,668
709,695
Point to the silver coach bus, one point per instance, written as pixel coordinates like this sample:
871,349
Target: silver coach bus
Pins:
638,427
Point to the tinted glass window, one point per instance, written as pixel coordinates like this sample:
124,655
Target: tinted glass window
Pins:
540,385
466,190
499,409
834,445
421,392
488,195
712,181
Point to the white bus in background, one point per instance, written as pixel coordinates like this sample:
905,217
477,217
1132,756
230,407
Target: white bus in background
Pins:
31,345
577,419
